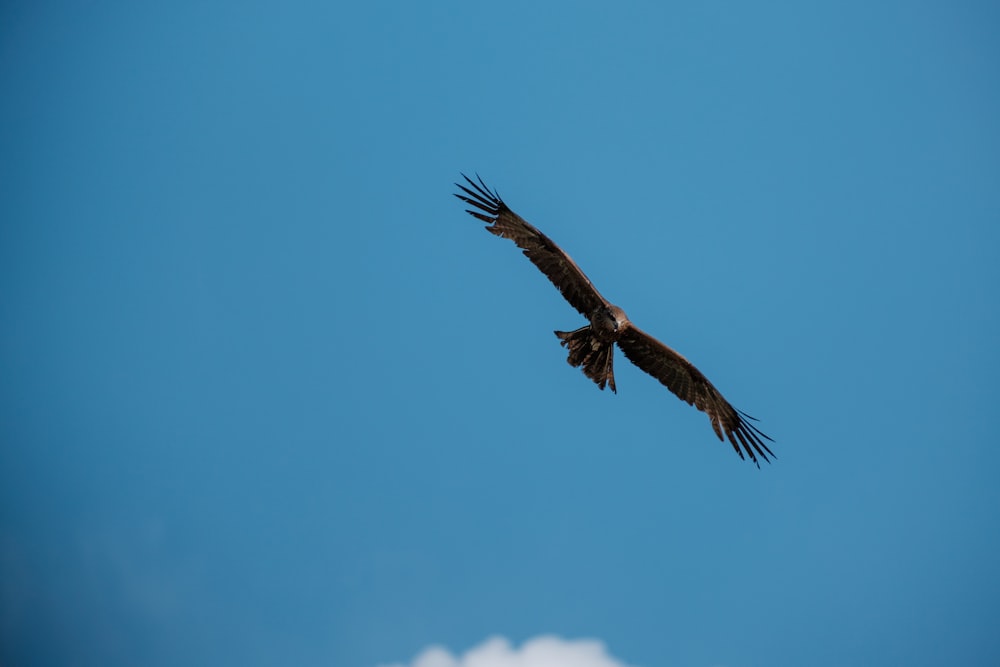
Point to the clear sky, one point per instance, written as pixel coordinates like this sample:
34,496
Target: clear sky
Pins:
268,396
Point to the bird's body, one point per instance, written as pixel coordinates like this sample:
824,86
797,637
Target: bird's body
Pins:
591,347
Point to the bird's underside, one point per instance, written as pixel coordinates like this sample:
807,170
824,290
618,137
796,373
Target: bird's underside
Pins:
597,359
591,347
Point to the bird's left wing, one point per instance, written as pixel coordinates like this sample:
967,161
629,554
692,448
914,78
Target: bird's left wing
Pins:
681,377
550,259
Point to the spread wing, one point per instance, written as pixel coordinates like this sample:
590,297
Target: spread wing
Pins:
539,248
681,377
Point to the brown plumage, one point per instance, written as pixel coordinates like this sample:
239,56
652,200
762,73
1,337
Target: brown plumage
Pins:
592,346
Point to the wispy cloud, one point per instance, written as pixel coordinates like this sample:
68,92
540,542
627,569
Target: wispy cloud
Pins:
543,651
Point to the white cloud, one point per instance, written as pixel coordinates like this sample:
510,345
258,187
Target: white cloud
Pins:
543,651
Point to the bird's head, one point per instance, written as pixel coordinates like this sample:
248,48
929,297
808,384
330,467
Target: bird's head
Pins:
616,317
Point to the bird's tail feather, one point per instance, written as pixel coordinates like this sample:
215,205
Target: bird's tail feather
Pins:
596,357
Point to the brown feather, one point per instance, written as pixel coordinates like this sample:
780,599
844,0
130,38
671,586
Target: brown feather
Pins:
681,377
596,357
539,248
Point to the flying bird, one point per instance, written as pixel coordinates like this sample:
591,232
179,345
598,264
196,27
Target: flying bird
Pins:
592,346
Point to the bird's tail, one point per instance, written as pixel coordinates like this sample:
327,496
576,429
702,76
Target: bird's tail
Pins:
596,357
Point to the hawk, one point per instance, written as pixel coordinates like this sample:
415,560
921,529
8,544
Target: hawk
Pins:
592,346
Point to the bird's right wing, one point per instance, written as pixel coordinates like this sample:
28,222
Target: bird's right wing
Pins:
539,248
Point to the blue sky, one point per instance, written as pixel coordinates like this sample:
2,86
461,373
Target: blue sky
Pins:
268,396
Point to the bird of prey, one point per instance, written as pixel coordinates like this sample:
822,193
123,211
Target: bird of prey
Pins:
592,346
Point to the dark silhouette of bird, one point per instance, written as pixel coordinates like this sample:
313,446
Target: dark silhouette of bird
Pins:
591,347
